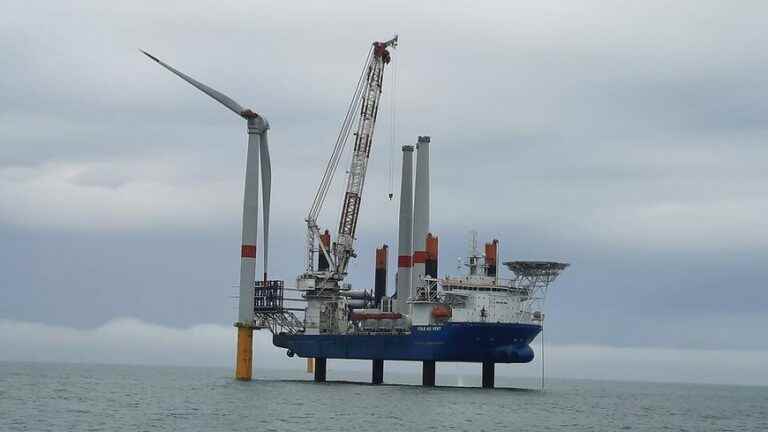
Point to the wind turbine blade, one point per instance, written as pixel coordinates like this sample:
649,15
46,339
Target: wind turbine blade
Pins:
222,98
266,188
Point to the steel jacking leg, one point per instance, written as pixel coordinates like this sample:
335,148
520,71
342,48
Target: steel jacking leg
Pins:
320,369
377,375
489,374
244,361
428,373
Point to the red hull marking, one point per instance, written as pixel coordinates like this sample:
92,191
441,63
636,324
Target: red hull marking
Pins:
420,257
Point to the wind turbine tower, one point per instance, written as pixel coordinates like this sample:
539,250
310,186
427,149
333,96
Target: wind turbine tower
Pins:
258,155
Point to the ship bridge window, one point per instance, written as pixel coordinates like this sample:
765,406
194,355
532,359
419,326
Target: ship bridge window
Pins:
482,289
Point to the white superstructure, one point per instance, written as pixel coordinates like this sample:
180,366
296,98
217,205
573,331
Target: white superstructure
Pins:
482,296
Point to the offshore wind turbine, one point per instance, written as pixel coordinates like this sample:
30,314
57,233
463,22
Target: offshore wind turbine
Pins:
258,150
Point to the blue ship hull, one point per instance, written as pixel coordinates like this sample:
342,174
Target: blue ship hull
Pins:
452,342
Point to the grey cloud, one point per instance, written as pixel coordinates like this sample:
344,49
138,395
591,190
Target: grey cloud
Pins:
627,139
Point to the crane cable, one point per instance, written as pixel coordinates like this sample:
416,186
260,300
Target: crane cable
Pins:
341,142
393,129
392,148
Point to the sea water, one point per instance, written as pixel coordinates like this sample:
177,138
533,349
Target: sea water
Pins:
56,397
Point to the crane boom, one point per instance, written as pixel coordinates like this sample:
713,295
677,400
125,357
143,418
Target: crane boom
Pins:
366,98
362,150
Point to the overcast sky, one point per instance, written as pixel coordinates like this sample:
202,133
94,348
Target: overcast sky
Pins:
627,138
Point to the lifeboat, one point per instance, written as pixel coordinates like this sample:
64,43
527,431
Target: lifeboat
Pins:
441,312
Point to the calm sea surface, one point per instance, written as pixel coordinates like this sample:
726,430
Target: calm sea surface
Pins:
54,397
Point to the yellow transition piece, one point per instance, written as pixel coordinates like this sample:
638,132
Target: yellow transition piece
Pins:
244,365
